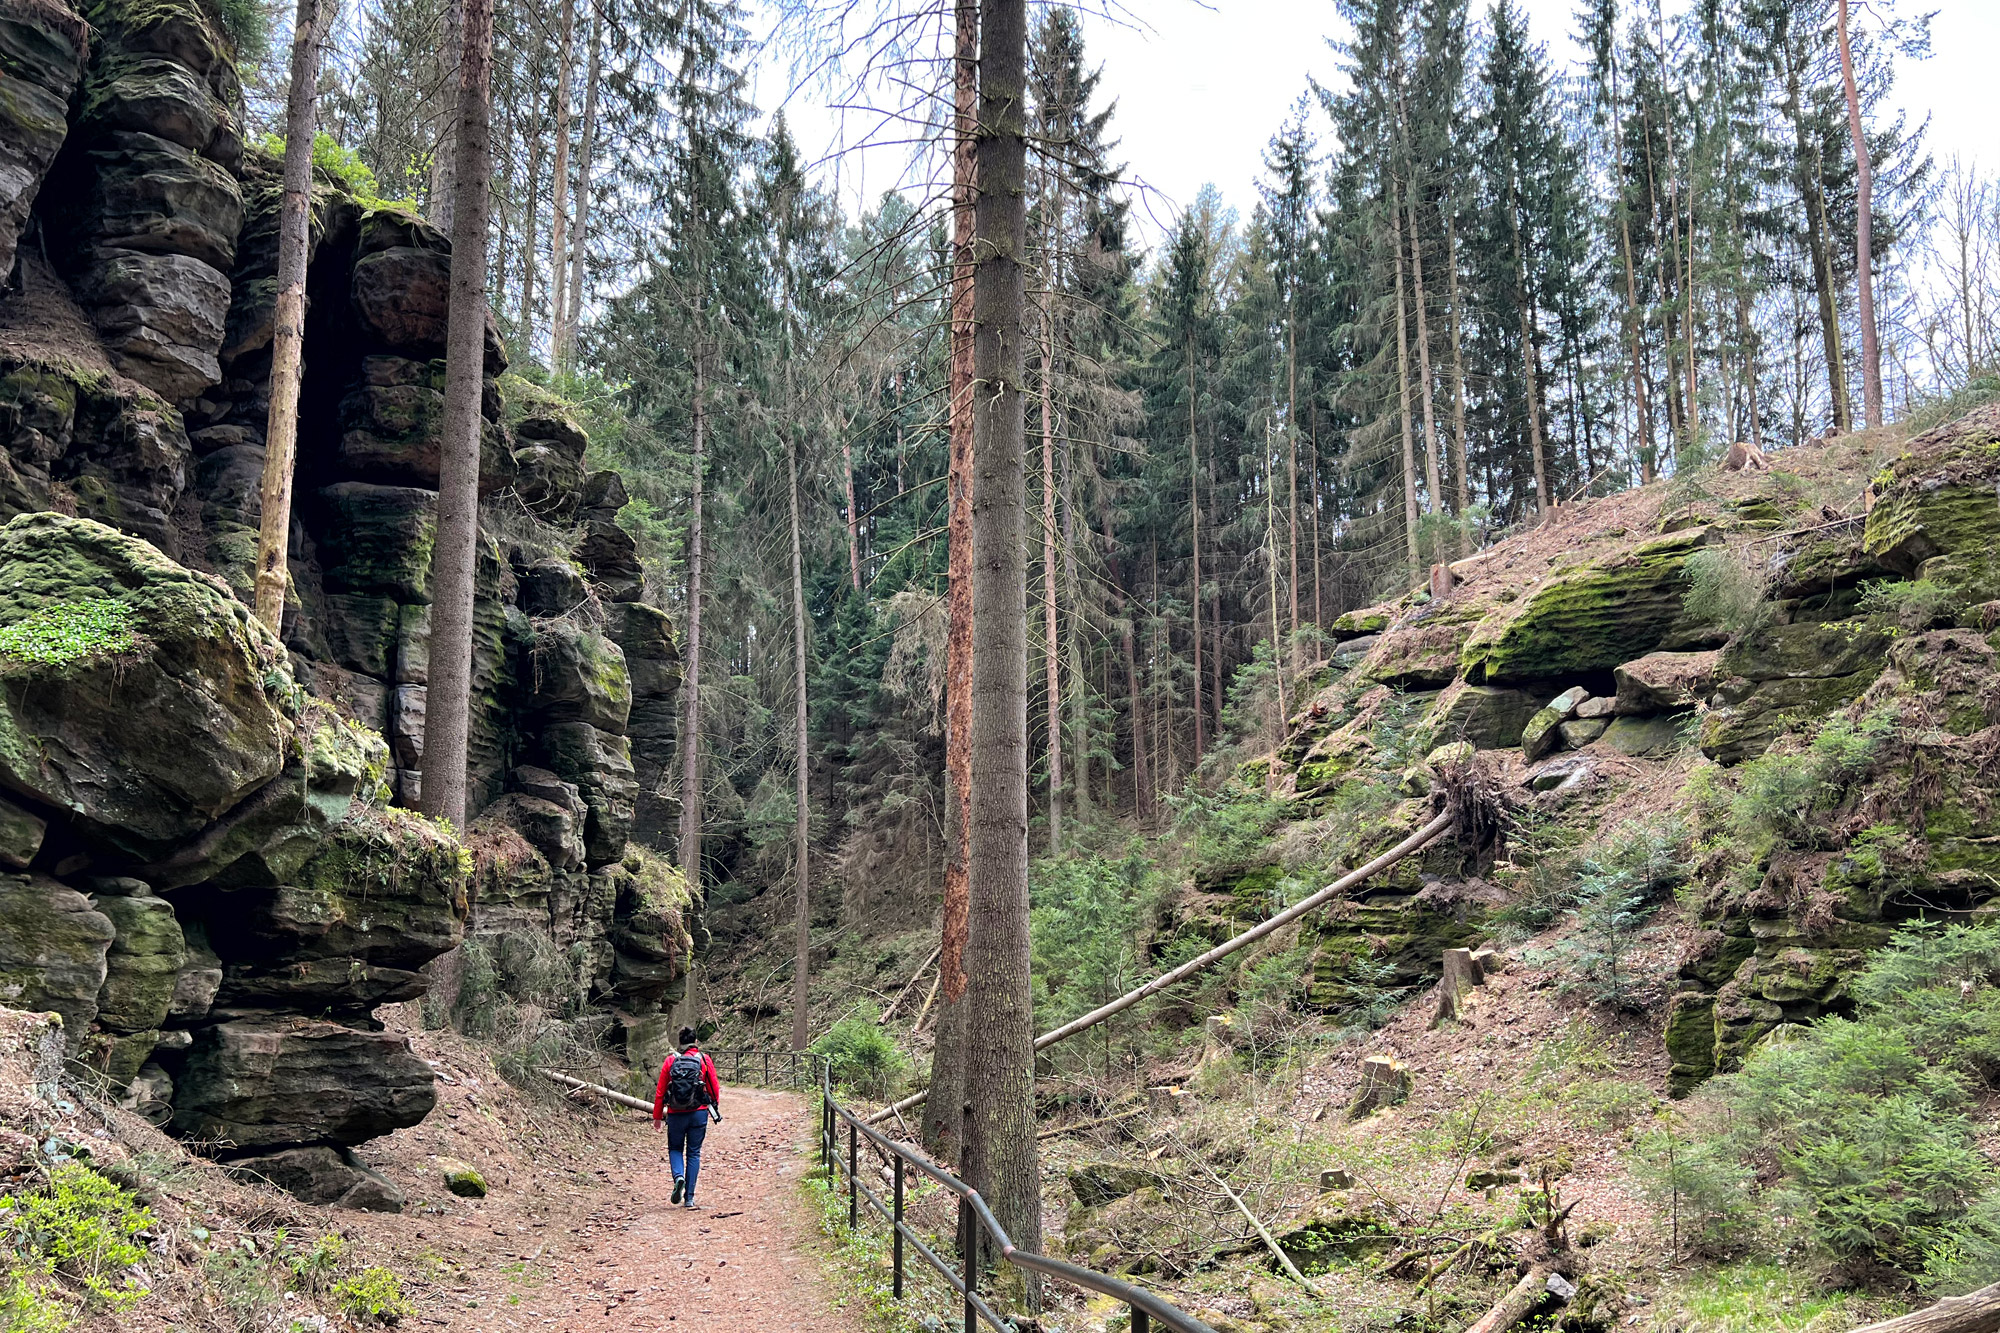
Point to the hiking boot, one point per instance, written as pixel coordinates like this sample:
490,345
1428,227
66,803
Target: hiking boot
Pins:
679,1185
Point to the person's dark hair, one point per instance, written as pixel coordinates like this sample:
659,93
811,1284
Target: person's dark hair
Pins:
687,1036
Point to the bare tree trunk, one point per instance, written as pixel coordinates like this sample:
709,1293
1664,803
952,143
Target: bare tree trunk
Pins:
802,847
1461,473
1127,634
1000,1151
444,160
853,518
281,426
943,1127
689,841
1431,449
1528,353
1410,510
1864,232
448,715
1312,443
1194,543
530,251
558,214
1974,1312
1271,565
565,335
1292,443
1079,697
1050,654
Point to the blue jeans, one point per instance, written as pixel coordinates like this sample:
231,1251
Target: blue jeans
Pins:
686,1128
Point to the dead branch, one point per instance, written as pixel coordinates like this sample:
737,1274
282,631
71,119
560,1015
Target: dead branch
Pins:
1974,1312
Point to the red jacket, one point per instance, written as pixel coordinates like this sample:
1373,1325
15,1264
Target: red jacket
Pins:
711,1085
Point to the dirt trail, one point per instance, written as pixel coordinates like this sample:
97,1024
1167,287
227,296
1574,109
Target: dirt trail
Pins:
745,1262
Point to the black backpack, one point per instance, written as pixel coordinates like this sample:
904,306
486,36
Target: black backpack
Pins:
685,1089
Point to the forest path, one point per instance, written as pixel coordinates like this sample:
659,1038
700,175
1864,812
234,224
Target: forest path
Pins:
746,1261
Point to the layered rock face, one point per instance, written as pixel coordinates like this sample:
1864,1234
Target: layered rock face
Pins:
207,863
1573,662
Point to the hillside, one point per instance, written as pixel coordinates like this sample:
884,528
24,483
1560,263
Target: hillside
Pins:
1738,731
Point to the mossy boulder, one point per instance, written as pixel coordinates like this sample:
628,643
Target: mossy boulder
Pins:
1421,655
578,675
1690,1041
1938,515
145,959
53,945
1588,618
1810,650
1486,716
1335,1231
1662,682
1647,737
1750,715
1366,620
136,696
462,1179
1098,1183
378,539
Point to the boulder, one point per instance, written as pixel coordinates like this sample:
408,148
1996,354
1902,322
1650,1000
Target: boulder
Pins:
53,946
413,646
322,1175
360,629
144,964
1588,618
21,834
1542,734
547,480
577,675
1097,1183
198,980
41,58
551,828
378,539
1938,517
600,765
395,434
1581,732
1596,707
135,695
1489,717
1807,651
1661,682
1647,737
278,1080
552,587
402,296
160,316
145,194
612,558
462,1179
1749,715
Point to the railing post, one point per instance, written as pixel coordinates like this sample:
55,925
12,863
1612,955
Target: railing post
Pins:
739,1065
853,1177
1141,1321
968,1230
896,1229
767,1069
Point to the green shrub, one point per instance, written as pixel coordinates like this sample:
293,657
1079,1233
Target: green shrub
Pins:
314,1267
863,1056
1864,1120
1611,910
1915,605
1726,588
373,1293
1084,924
82,1227
1781,798
1700,1186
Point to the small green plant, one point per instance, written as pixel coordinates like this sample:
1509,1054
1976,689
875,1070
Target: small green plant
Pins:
863,1056
1915,605
373,1293
69,633
82,1228
1611,911
1700,1186
313,1268
25,1303
1727,588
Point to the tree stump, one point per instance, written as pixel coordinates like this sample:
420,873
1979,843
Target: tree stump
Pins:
1385,1081
1443,580
1461,974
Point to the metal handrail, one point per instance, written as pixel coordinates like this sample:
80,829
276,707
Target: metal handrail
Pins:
973,1217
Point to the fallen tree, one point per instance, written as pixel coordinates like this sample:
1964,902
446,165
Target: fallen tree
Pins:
1422,838
1974,1312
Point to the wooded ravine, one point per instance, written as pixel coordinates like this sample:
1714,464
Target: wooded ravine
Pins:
1420,753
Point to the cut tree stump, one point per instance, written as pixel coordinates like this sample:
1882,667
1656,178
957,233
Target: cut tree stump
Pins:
1974,1312
1385,1081
1461,974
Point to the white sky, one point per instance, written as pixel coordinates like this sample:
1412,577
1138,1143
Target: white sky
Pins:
1201,88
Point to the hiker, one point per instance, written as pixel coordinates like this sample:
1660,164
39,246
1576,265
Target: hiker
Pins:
688,1092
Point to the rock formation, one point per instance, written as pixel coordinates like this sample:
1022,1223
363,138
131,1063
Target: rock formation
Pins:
205,868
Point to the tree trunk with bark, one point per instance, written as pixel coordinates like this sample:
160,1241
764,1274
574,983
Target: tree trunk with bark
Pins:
1422,300
558,214
1410,510
448,712
802,843
689,839
1864,231
1461,474
943,1130
1051,655
573,272
1000,1151
281,425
